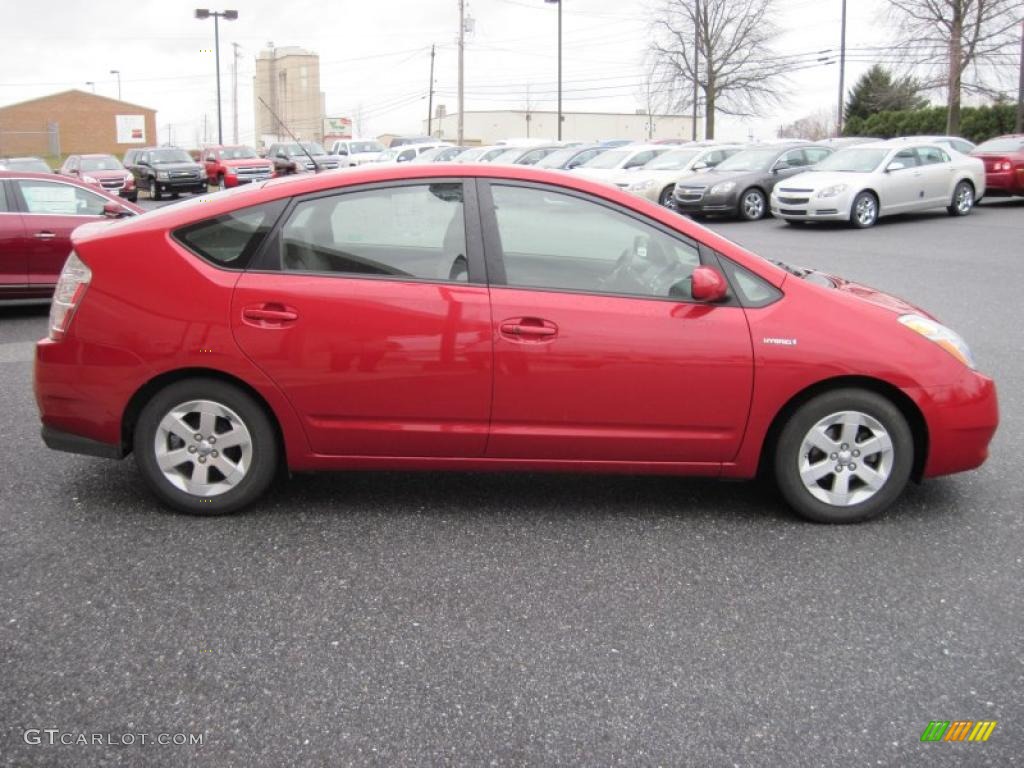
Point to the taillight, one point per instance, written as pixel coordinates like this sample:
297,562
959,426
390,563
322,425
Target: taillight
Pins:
74,279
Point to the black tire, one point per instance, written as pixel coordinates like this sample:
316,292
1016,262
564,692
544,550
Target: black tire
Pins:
263,460
133,197
666,195
154,189
963,199
752,205
795,222
864,211
787,459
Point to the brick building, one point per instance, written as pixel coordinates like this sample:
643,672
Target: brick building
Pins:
73,122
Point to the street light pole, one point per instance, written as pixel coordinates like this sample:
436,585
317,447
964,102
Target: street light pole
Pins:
559,4
462,44
842,71
205,13
118,73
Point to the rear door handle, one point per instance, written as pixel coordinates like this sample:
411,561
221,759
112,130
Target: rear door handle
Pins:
44,236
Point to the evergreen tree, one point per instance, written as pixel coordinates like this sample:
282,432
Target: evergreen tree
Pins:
877,91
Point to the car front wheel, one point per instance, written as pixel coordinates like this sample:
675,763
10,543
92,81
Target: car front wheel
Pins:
205,447
963,200
753,205
844,456
864,211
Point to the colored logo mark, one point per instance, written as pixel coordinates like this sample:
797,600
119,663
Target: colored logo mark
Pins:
958,730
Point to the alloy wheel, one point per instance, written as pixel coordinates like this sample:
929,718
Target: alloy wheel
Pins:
865,210
753,204
845,458
203,448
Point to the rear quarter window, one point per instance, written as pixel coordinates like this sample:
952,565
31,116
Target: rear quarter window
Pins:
231,240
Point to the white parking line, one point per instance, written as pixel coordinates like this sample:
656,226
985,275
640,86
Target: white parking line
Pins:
17,351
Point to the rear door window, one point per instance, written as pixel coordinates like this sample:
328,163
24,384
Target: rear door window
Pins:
231,240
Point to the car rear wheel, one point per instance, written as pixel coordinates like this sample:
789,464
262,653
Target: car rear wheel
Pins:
963,199
844,456
154,189
864,211
753,205
205,447
666,195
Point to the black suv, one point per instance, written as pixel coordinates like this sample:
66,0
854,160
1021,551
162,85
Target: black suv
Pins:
290,158
165,170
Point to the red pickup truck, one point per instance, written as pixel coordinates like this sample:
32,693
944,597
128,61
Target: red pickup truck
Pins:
234,165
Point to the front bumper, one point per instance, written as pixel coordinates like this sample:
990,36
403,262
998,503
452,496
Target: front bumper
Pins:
810,208
961,419
182,183
707,203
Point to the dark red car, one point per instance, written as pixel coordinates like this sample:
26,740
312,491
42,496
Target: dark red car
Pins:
104,171
481,317
38,213
1004,165
235,165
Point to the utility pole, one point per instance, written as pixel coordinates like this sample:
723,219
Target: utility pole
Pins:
462,43
430,96
1020,86
234,92
170,136
696,62
842,72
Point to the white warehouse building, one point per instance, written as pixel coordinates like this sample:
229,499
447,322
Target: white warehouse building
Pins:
490,126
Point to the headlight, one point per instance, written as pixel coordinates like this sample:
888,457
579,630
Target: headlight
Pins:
640,186
162,175
90,180
724,188
947,339
831,191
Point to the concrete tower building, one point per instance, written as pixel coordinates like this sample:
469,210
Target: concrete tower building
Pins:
288,79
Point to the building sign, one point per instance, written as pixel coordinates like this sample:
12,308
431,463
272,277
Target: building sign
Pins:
131,129
339,127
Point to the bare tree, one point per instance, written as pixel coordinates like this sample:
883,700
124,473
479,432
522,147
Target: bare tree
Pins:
815,127
963,45
736,70
652,95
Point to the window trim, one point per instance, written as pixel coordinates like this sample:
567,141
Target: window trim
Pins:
267,258
494,253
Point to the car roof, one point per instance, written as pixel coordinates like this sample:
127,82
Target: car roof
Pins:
25,157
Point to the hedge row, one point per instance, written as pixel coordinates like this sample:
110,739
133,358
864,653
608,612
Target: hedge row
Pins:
976,123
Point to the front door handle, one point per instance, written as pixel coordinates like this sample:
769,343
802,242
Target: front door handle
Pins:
528,329
270,315
44,235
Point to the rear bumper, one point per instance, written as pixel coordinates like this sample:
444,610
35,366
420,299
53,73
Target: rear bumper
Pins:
961,418
65,441
1004,183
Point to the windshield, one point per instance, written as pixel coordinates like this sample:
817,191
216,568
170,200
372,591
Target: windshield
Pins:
558,158
29,164
237,153
470,155
508,156
675,160
1005,144
490,155
750,160
610,159
355,147
158,156
105,163
853,160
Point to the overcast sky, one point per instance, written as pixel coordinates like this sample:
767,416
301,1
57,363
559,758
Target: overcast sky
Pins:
375,56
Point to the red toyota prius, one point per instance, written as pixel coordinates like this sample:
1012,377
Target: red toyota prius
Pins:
488,318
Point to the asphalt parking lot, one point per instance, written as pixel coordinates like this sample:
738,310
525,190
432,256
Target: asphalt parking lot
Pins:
465,619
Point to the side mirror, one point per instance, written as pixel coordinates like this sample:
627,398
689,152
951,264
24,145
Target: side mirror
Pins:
708,285
700,165
780,166
895,165
114,210
143,162
73,171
